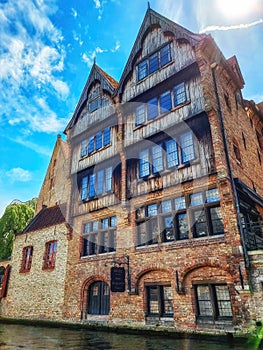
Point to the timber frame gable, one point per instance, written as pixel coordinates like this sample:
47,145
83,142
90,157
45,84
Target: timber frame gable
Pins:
153,20
107,84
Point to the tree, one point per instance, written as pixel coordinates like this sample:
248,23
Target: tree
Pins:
14,220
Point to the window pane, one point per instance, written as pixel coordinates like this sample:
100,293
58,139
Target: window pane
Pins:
166,206
99,141
204,302
106,140
168,300
87,227
168,229
104,223
182,222
217,221
142,69
92,180
108,180
196,199
100,182
141,233
153,62
152,108
200,223
179,203
93,105
223,301
165,55
152,231
153,300
187,147
140,116
157,158
91,145
84,188
212,195
152,210
84,145
171,153
113,221
179,94
95,226
144,168
165,102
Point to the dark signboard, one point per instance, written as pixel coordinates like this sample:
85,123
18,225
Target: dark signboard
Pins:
117,279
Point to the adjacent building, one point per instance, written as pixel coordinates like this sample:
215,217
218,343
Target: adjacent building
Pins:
162,197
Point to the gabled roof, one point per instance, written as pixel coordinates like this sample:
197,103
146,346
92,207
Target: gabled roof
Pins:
154,19
47,217
107,83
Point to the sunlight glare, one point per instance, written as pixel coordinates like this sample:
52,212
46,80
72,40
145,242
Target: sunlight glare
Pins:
236,8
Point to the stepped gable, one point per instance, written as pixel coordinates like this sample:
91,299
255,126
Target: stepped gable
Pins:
47,217
108,84
152,20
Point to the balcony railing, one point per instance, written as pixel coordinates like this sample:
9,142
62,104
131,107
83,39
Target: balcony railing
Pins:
253,234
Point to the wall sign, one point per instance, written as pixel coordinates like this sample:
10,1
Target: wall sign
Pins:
117,279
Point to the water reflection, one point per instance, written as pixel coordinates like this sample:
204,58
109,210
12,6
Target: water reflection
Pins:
33,338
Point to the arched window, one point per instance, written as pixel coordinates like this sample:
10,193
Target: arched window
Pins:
98,299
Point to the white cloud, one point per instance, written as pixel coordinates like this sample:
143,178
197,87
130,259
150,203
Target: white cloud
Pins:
31,64
117,46
232,27
74,12
97,4
19,174
89,58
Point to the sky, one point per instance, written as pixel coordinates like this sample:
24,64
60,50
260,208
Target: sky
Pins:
47,48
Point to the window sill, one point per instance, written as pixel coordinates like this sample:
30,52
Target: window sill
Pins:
95,257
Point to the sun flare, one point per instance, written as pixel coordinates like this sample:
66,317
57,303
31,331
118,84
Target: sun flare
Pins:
236,8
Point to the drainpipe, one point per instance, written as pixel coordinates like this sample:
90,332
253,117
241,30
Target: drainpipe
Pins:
229,169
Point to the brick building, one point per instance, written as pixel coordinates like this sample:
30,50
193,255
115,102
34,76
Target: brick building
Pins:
165,191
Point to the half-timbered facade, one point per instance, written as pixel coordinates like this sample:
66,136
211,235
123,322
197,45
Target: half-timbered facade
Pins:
166,194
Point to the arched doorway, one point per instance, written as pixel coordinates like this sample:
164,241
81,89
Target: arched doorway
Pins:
98,302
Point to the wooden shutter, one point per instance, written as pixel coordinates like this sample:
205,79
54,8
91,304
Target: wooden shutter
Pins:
3,291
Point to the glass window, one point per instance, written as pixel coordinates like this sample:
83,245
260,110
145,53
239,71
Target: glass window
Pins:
152,231
171,153
153,62
140,116
187,147
212,195
106,139
142,69
179,94
213,301
94,105
216,220
50,255
165,102
84,188
165,55
159,300
100,182
166,206
26,259
108,180
152,210
200,223
179,203
168,229
152,108
144,166
157,159
84,145
92,180
196,199
91,145
98,141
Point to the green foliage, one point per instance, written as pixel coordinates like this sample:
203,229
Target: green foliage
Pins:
14,220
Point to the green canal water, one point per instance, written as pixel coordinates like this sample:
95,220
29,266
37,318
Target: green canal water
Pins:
32,338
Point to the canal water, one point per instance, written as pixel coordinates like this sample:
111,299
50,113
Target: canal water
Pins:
32,338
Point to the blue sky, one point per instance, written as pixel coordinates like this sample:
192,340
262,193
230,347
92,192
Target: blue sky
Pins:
47,48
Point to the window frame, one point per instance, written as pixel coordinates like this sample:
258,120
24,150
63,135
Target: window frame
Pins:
159,297
98,238
214,301
93,185
50,255
26,262
96,142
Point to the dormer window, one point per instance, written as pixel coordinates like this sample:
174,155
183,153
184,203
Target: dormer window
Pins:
153,62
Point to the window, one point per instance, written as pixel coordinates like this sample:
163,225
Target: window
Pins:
50,255
99,236
159,301
168,100
213,301
93,105
99,141
237,150
196,215
99,299
2,273
154,62
166,155
26,259
96,183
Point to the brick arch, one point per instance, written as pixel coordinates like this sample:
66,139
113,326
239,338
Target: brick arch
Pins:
148,270
205,264
84,290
